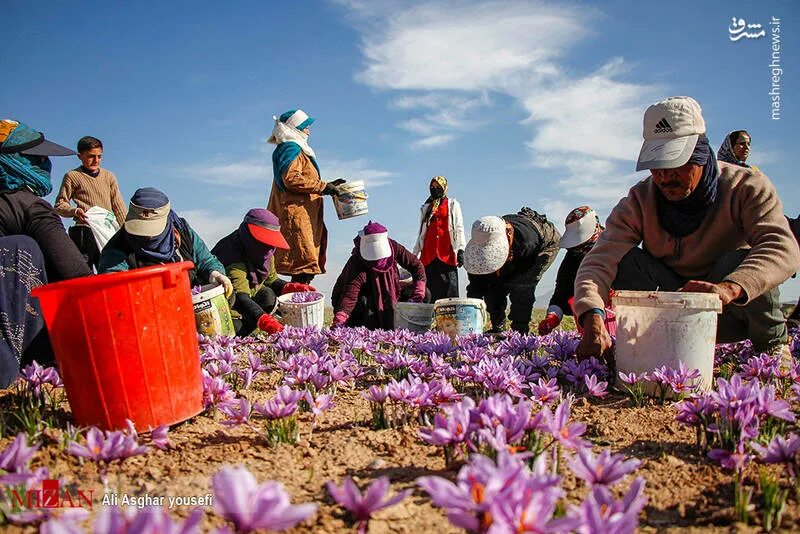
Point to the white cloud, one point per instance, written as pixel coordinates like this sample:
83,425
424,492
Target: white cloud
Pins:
243,174
432,141
236,174
445,59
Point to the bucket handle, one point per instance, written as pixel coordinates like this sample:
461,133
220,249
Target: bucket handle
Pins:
171,277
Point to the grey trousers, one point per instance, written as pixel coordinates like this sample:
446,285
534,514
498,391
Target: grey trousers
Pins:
761,320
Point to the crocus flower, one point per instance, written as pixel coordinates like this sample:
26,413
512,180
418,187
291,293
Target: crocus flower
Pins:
319,404
36,376
604,469
160,437
730,460
147,520
594,387
107,447
362,506
779,451
568,434
237,412
545,391
376,394
15,458
600,512
250,506
450,427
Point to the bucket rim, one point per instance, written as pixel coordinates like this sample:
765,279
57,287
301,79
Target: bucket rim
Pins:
668,299
97,281
286,299
208,294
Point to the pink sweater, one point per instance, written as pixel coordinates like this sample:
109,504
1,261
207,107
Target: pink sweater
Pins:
747,212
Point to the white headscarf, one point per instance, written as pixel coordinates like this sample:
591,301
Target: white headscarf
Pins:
286,131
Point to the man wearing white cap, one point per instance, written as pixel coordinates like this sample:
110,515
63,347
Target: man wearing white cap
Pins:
582,229
505,259
703,226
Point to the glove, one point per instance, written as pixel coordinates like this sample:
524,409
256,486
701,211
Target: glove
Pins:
339,319
548,324
218,278
269,324
460,258
419,292
331,187
295,287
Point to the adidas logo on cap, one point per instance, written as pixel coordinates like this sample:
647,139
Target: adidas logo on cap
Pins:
662,127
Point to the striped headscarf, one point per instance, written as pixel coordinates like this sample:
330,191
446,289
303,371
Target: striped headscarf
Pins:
434,203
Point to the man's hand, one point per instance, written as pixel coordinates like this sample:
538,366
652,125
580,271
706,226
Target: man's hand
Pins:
80,215
727,291
595,341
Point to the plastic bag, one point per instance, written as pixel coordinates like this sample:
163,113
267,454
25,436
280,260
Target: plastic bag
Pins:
103,224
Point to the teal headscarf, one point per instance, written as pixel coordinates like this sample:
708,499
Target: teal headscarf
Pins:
19,171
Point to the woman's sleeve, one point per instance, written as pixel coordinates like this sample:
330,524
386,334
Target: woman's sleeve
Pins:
302,177
63,259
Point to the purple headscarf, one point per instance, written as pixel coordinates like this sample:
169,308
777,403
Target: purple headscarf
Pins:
241,246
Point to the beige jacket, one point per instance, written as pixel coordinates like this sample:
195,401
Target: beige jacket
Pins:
299,209
747,212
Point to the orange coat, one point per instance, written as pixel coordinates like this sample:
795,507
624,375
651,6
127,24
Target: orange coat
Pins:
300,210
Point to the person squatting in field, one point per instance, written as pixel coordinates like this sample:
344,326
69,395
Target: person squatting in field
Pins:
505,259
703,225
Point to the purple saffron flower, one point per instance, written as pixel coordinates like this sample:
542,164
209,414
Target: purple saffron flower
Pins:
36,376
160,437
237,412
362,506
250,506
630,378
151,519
600,512
546,391
730,460
779,451
376,394
319,404
16,457
107,447
604,469
594,387
452,426
304,297
568,434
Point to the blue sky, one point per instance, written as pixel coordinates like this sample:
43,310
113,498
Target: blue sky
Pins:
516,103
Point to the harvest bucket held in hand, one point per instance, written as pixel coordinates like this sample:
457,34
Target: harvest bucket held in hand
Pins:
413,316
458,316
212,313
126,346
656,328
309,312
350,200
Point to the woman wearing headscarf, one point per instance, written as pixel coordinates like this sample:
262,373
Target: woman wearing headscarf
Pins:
369,286
248,254
296,198
153,234
736,149
582,230
34,247
440,244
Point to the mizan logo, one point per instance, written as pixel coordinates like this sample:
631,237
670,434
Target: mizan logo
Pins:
51,496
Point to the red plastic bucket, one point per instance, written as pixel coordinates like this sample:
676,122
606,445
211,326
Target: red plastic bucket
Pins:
126,346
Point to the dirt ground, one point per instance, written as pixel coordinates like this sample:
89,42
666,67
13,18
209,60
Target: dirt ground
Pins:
685,490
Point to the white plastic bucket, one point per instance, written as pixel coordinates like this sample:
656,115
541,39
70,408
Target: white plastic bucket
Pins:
212,313
458,316
656,328
350,200
302,313
414,316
